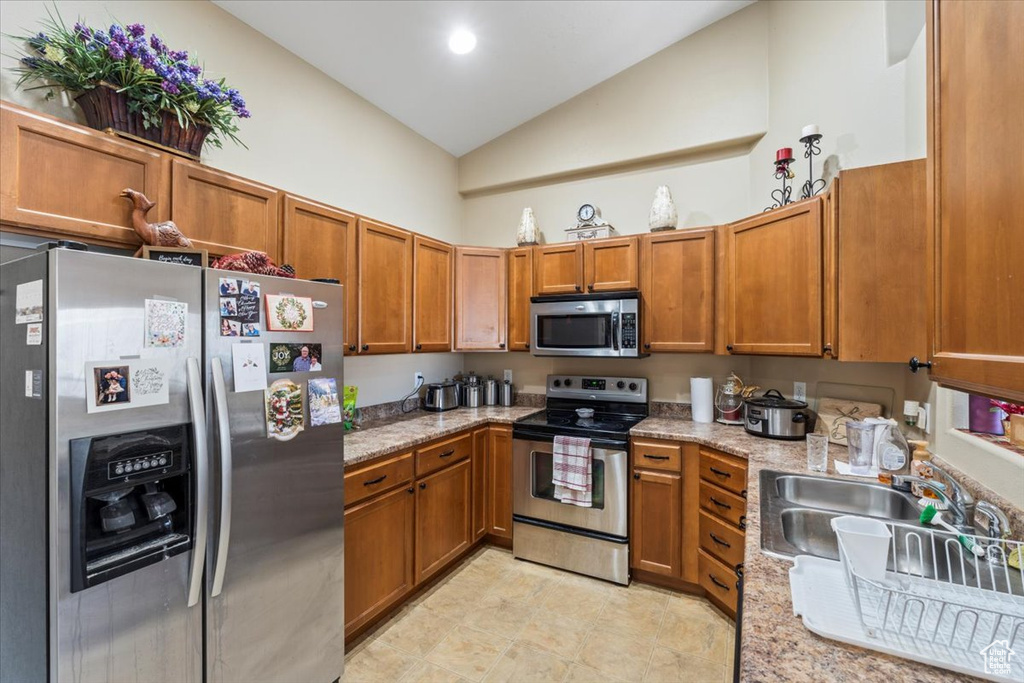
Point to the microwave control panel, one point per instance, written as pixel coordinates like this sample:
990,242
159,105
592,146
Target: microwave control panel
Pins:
628,330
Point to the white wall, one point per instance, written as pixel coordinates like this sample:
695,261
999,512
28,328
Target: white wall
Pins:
308,135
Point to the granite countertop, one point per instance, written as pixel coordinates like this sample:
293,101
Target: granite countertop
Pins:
776,646
381,437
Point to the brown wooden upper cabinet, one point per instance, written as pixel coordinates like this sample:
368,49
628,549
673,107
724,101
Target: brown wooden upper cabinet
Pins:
63,180
558,268
520,289
975,204
385,288
773,282
224,213
480,299
876,265
611,265
678,285
319,241
432,295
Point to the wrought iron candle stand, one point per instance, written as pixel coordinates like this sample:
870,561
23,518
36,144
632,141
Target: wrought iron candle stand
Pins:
782,196
811,186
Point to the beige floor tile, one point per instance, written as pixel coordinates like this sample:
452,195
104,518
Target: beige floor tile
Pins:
580,673
668,666
640,595
521,664
499,616
693,606
468,652
635,620
417,631
578,599
555,633
378,662
616,655
425,672
456,597
525,586
694,635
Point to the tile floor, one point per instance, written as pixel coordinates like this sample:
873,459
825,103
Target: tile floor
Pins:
499,619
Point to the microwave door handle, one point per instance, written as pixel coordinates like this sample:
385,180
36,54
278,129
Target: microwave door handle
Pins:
202,467
615,330
220,411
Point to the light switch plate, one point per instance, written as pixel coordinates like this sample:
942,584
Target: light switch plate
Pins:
800,391
508,375
927,418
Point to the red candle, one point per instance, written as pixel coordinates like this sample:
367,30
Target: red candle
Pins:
784,154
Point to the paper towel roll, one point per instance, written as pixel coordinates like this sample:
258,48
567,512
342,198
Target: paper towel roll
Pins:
702,399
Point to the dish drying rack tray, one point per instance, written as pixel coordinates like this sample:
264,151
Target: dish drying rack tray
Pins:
938,604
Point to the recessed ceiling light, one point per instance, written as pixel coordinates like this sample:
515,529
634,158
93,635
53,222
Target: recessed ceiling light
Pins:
461,41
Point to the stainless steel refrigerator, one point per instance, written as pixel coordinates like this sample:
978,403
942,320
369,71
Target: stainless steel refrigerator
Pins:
149,528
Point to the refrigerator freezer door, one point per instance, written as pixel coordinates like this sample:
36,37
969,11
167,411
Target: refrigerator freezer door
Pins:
137,626
276,545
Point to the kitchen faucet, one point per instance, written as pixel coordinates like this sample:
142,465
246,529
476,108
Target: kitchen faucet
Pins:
957,499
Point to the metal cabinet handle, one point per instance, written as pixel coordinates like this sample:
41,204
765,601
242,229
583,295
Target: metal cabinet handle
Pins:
375,481
636,475
721,473
827,349
647,345
423,485
728,347
366,347
718,583
220,411
202,468
447,454
590,287
527,347
916,364
719,541
419,347
720,503
578,288
655,457
410,490
351,347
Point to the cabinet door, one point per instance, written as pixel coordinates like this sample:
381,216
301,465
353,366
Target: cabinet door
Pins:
520,289
378,555
479,483
480,299
976,208
432,295
443,518
385,288
773,282
224,213
558,269
657,522
611,265
678,287
499,472
63,180
319,241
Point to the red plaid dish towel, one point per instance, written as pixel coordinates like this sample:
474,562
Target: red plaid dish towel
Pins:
572,466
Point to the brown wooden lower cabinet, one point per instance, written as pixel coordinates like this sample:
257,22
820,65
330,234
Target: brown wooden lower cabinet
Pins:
480,442
499,477
378,555
656,534
443,518
719,581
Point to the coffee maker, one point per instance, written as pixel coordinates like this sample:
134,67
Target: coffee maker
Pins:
131,502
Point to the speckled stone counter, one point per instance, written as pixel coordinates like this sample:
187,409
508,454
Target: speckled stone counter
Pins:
776,646
387,436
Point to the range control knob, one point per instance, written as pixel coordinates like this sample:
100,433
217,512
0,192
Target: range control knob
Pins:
557,383
632,386
568,382
620,384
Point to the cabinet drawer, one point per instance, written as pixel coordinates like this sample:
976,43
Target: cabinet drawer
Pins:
721,540
443,454
718,579
726,471
382,476
657,455
725,504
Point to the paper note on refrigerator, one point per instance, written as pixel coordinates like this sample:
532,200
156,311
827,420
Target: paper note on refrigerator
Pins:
28,302
249,364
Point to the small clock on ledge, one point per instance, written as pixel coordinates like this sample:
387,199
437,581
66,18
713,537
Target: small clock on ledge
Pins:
589,225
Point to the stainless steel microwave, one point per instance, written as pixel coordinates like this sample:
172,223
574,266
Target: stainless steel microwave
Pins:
602,325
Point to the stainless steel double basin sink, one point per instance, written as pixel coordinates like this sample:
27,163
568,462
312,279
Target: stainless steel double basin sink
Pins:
797,511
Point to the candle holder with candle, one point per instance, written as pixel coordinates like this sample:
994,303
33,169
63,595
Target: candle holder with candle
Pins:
781,197
810,137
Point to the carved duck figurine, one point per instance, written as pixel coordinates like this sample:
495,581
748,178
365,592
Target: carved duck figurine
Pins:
165,234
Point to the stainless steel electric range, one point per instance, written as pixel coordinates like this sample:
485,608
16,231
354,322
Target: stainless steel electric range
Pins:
592,541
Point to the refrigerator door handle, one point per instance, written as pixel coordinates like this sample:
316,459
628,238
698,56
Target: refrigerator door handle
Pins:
202,468
220,412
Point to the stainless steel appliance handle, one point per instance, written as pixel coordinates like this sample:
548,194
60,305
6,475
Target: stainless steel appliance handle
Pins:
220,412
615,330
201,472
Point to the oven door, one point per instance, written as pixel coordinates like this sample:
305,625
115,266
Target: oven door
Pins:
534,494
575,328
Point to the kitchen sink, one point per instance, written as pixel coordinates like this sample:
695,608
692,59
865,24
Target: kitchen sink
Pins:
852,497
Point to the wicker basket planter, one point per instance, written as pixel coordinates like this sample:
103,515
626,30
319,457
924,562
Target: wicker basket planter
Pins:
106,109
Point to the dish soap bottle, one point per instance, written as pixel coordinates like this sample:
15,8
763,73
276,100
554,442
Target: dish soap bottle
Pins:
893,451
921,466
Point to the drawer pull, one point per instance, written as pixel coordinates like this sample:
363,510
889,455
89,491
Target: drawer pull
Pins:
447,454
721,473
718,583
720,503
743,523
719,541
375,481
655,457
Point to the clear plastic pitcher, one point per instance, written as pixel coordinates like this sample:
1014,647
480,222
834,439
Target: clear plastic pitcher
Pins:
860,439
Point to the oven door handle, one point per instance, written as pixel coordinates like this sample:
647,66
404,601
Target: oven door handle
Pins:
606,444
615,330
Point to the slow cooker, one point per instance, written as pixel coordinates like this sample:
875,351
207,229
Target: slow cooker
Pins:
777,417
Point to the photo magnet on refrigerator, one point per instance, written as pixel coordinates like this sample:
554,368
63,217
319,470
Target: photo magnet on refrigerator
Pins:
239,307
284,410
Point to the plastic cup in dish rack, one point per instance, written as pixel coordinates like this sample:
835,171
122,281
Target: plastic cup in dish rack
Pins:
863,545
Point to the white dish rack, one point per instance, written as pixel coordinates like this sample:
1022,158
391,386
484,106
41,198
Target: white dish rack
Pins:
938,603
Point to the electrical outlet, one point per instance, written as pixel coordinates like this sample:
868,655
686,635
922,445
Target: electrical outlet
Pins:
800,391
417,377
508,376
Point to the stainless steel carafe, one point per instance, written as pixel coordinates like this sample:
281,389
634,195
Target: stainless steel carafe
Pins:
472,396
508,394
491,392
